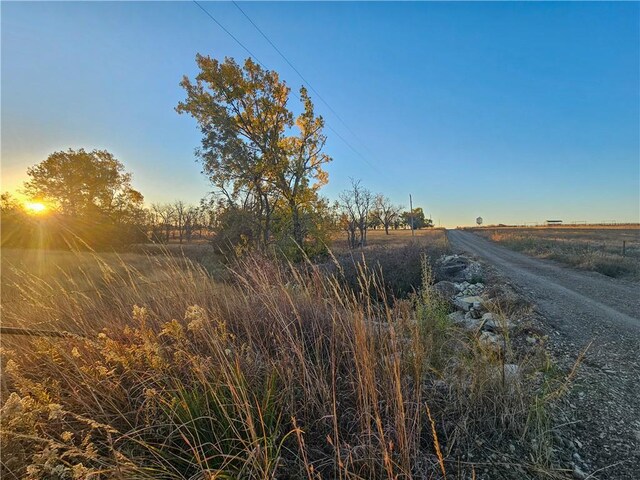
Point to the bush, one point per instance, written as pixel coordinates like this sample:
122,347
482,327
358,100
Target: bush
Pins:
236,232
613,267
399,267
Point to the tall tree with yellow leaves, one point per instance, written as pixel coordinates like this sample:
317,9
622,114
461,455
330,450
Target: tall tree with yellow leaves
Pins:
250,150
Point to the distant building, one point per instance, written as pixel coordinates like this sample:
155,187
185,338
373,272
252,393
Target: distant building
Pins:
553,222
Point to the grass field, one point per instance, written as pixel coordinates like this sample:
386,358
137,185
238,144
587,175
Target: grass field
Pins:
279,371
48,289
596,248
377,238
89,281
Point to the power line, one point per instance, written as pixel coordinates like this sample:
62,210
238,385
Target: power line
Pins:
299,74
352,148
229,33
295,69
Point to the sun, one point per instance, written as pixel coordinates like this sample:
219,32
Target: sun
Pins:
35,207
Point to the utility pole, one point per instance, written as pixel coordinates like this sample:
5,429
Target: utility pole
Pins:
411,213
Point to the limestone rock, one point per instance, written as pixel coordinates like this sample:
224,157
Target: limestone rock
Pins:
489,322
465,303
457,268
491,341
445,289
457,317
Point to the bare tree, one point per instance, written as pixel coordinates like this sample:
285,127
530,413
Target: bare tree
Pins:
190,221
179,209
356,204
200,220
385,212
164,215
345,222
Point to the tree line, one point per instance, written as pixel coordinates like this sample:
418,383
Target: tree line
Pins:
358,210
266,168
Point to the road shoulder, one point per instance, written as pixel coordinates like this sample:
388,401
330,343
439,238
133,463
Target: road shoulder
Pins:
597,423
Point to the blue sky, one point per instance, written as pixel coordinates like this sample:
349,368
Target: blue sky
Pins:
514,111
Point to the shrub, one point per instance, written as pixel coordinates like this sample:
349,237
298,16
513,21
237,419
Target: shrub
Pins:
400,268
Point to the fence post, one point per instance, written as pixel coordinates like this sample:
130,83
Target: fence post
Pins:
624,247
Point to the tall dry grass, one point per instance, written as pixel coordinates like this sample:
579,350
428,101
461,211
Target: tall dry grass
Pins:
281,373
396,258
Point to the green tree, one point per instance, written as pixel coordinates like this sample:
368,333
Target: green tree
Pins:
300,175
92,195
9,205
14,224
81,183
415,219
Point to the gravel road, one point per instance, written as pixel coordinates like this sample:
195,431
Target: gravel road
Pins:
577,308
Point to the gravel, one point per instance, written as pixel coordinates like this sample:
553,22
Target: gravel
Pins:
598,422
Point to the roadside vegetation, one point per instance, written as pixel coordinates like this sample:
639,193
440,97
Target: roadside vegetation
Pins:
396,257
282,371
594,248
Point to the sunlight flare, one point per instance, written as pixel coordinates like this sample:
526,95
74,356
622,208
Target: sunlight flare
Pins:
35,208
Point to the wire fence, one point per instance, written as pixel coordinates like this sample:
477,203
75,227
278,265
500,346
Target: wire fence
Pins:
561,224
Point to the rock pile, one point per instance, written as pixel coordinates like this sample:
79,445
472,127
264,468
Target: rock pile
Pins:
459,285
466,288
458,268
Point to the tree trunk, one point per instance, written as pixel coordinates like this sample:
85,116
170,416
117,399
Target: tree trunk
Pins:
298,234
267,223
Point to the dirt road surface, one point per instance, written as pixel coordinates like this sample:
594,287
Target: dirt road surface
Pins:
579,308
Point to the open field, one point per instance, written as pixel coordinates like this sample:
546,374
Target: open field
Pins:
208,262
84,287
33,276
400,237
278,372
596,248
